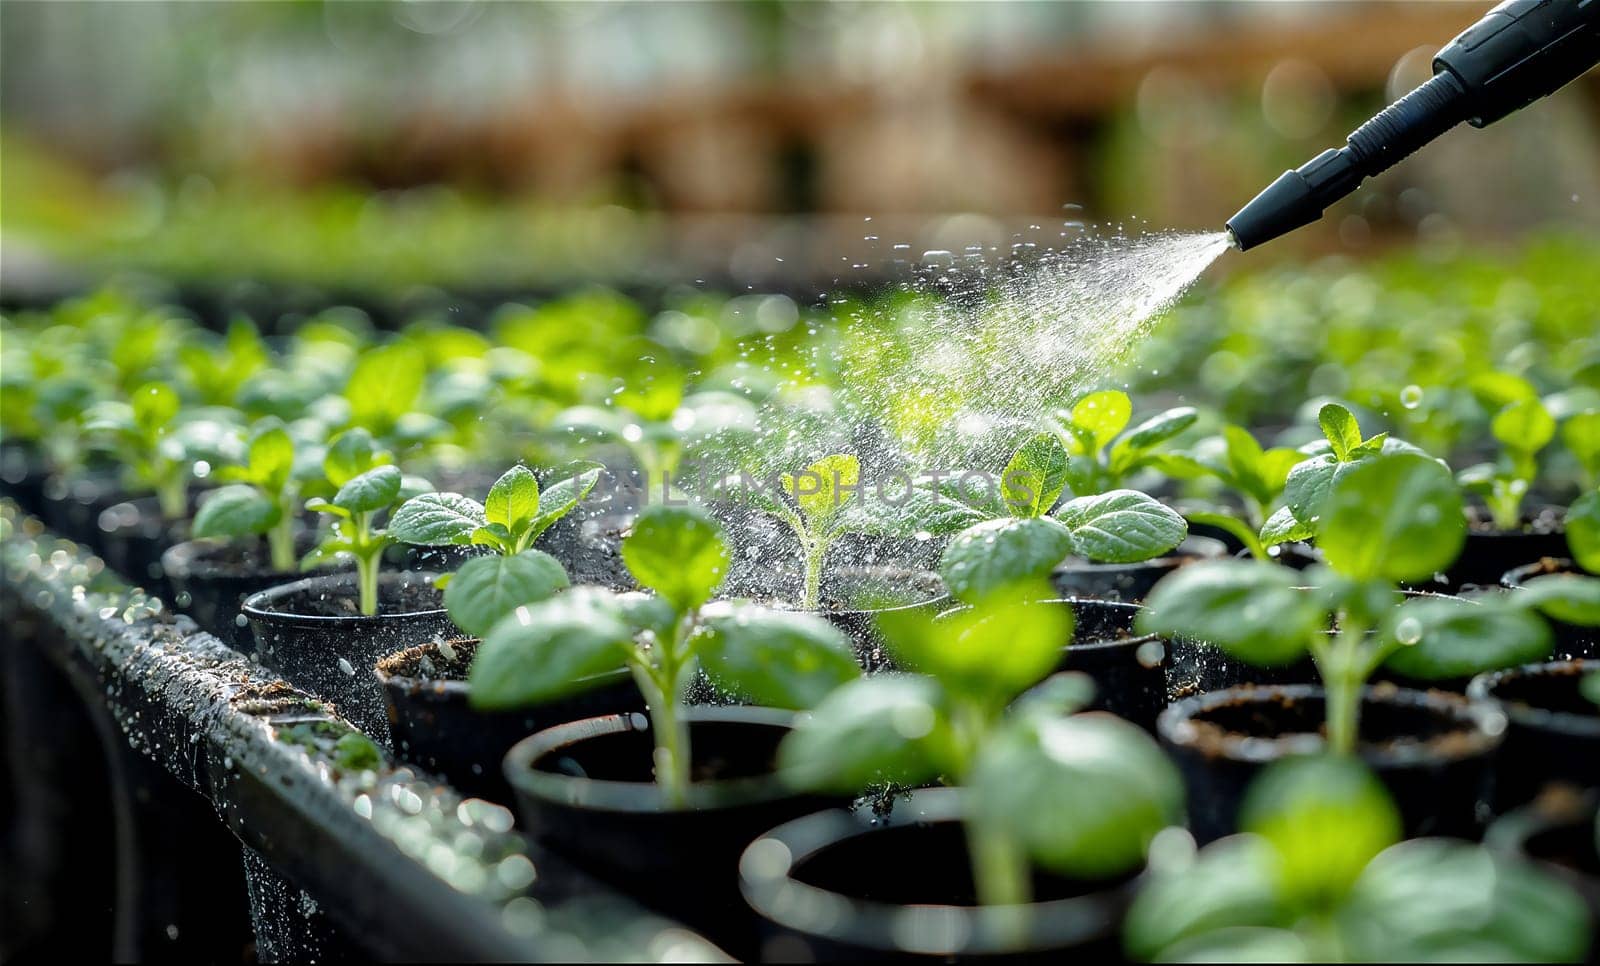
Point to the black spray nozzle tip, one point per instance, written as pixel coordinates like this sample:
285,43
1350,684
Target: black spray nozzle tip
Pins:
1286,204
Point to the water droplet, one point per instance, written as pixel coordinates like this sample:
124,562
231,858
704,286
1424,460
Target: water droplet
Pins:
1411,396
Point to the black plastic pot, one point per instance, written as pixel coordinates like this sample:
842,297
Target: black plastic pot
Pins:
1129,669
1553,731
1488,553
893,590
855,886
134,535
1558,833
1130,582
311,633
425,691
586,789
1433,750
1572,641
210,581
71,505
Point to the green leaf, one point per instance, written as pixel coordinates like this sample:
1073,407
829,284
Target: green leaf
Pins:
1440,900
997,648
679,552
371,491
1283,527
905,515
560,498
1395,518
1035,476
1306,488
1084,794
1159,428
549,650
1564,597
1341,429
774,658
385,385
1581,435
1500,389
514,498
1583,531
349,455
1326,817
486,589
1102,415
1228,890
271,458
436,520
826,485
1448,638
888,728
154,405
1250,609
1524,426
997,553
1121,526
239,510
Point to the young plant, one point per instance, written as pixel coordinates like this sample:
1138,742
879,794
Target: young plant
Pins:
144,435
1580,433
1522,428
365,484
1254,477
261,497
515,514
1309,481
1103,456
827,500
556,647
1583,531
1320,874
1391,520
1024,538
1081,794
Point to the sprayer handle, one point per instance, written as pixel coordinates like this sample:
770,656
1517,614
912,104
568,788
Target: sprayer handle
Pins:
1520,51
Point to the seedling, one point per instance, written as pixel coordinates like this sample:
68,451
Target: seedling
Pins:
216,368
486,589
384,392
557,647
1581,436
1254,477
261,499
656,422
1321,875
1391,520
828,500
1103,456
1309,481
1583,531
147,438
365,484
1522,428
1025,538
1082,794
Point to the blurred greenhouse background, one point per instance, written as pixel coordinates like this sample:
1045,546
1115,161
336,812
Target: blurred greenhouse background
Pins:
500,147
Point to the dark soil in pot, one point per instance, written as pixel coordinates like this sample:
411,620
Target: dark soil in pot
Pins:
1130,582
210,581
588,543
133,537
855,597
854,886
425,690
1432,749
586,789
1489,552
1553,731
311,631
1572,641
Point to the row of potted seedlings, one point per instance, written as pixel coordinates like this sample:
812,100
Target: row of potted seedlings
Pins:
984,759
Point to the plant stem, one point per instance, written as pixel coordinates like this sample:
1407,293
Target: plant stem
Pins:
1342,680
659,685
280,543
816,551
999,869
367,575
173,495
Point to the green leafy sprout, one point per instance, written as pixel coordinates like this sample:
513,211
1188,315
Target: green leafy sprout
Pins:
365,485
1023,534
1254,476
1081,794
261,496
506,525
1522,427
1387,521
1104,452
565,644
1320,874
151,441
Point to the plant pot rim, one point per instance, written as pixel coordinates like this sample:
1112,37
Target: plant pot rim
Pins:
1482,688
1099,644
1481,727
765,879
1514,578
1481,525
640,797
412,684
258,606
188,558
